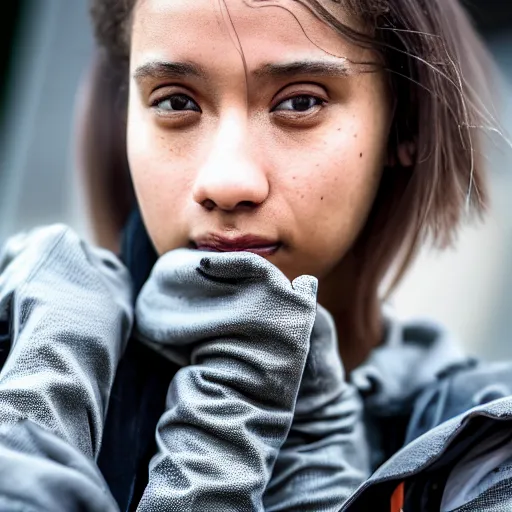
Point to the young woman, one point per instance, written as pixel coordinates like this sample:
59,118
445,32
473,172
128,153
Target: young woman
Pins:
286,155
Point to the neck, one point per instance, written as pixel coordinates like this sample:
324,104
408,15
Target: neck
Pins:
338,293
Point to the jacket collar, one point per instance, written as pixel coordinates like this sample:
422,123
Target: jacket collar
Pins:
137,251
415,354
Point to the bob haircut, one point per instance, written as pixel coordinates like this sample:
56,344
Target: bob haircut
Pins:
439,71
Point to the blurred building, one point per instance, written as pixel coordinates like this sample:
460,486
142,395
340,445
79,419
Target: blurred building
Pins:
45,47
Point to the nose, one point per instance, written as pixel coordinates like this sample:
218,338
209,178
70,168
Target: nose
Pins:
230,177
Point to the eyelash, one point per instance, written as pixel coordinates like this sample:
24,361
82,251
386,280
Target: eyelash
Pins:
319,102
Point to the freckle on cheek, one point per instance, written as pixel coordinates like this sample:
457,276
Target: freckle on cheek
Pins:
355,135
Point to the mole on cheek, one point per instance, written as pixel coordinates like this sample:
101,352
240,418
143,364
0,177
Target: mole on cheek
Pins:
322,198
360,155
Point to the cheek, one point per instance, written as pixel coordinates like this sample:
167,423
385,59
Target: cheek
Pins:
344,173
159,184
337,186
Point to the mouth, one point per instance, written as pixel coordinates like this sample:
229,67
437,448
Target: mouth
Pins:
247,243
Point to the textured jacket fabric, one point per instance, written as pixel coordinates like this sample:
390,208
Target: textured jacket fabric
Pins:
242,334
228,393
69,313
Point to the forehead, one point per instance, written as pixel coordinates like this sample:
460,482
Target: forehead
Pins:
212,31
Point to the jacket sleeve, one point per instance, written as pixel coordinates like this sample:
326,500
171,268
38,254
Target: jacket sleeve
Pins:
242,330
480,478
69,311
326,455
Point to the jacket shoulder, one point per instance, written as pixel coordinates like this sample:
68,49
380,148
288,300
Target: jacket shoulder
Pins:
36,238
458,390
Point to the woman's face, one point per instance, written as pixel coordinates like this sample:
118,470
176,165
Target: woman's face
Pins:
286,147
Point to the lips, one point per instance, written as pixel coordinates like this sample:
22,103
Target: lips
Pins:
249,243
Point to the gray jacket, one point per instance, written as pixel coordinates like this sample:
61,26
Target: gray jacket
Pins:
260,415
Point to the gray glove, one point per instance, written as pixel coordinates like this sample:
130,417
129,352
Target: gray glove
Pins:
243,330
69,307
326,455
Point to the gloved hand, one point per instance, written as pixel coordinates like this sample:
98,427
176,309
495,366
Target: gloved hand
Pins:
243,331
70,314
326,456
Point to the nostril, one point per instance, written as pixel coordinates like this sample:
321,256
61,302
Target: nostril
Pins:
246,204
208,204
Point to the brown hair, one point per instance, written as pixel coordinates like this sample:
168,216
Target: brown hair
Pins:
439,72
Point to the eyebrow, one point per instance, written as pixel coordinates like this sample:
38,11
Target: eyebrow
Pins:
169,70
174,70
302,67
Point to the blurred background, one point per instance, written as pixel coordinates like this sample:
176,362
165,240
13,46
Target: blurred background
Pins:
45,46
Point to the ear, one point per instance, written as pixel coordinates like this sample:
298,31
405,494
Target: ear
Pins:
405,155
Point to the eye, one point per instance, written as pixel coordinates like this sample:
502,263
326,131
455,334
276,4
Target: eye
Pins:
300,103
176,103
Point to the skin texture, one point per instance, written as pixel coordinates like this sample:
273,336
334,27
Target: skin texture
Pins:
240,156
